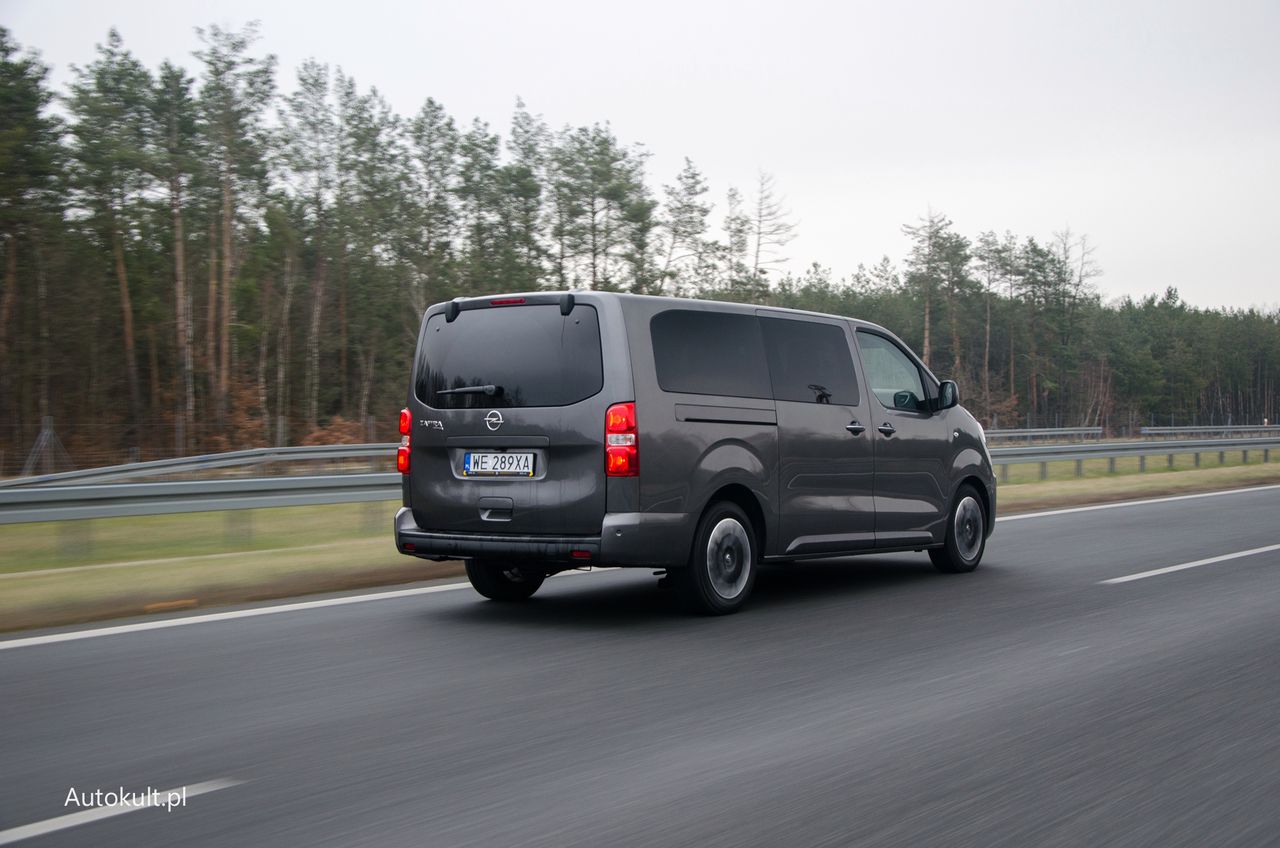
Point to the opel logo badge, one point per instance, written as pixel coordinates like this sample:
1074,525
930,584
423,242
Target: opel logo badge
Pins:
493,420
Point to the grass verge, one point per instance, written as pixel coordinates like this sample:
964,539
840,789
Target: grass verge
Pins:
72,572
1027,497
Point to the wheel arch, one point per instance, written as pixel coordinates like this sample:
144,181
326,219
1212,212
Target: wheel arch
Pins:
748,502
984,498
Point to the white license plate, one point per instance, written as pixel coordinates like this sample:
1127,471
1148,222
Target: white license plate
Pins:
492,464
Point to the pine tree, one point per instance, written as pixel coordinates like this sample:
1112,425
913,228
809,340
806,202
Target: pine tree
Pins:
521,252
109,107
237,90
601,210
174,160
926,268
431,207
310,136
685,223
30,204
479,201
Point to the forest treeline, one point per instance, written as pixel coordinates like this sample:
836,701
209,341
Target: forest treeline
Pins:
194,261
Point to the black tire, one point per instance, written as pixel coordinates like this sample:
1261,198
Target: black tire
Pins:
723,563
966,534
499,581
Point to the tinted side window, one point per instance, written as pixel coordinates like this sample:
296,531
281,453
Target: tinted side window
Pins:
709,353
894,378
809,361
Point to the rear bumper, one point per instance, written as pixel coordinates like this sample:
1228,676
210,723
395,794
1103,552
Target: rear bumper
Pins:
649,539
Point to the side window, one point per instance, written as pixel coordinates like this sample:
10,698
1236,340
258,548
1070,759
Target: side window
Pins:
809,361
709,353
894,378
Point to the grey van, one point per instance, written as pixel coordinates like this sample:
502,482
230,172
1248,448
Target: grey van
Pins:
551,431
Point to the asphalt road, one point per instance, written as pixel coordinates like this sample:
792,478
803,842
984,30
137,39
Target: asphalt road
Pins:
864,702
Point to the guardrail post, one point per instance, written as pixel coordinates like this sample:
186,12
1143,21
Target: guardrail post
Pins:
1079,467
75,538
1044,471
371,517
1004,473
1142,464
238,526
1170,460
1197,459
1266,454
1244,457
1222,457
1111,465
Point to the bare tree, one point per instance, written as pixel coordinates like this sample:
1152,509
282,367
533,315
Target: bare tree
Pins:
771,227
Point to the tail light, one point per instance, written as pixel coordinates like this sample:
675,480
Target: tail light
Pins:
622,449
402,452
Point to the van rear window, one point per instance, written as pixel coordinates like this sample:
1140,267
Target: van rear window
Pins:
507,357
709,353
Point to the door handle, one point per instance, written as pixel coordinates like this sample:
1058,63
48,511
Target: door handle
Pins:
854,427
887,429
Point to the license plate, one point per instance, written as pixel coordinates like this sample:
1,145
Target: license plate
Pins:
492,464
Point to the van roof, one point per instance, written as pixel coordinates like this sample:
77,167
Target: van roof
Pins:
728,305
677,302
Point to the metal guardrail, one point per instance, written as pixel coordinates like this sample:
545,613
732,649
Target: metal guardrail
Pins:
1111,451
68,499
263,456
1106,450
1032,433
186,464
1220,430
112,500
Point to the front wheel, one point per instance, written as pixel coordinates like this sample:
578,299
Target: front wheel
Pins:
499,581
722,566
966,535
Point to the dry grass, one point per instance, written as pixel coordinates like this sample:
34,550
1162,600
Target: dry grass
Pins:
60,544
65,596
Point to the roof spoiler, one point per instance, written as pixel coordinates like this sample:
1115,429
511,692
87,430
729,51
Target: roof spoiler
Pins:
454,307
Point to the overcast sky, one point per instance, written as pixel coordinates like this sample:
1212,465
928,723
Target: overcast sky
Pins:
1154,128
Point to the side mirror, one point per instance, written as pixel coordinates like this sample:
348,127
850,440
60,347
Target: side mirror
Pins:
948,395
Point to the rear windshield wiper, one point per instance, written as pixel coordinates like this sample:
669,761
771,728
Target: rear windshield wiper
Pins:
472,390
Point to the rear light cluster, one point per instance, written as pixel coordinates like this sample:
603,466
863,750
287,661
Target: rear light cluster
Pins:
402,452
622,449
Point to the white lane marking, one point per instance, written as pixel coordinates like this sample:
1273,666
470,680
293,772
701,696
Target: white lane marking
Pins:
1155,572
221,616
243,613
1118,504
1183,566
28,831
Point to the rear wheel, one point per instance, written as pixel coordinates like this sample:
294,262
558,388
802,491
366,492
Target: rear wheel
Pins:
500,581
722,566
966,535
